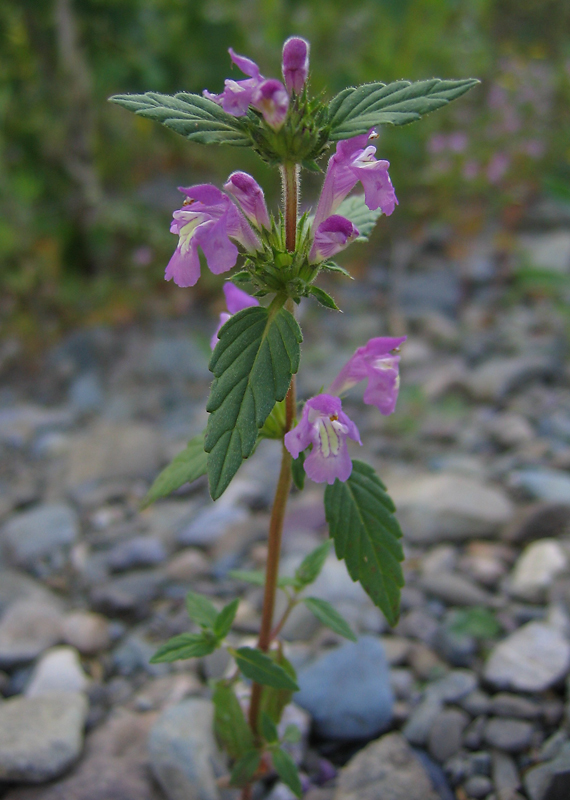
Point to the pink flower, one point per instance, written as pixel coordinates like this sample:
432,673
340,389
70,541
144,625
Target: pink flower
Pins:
207,220
325,426
353,162
271,98
236,300
250,197
332,236
377,363
295,64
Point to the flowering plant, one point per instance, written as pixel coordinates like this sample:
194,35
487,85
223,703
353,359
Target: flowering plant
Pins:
256,353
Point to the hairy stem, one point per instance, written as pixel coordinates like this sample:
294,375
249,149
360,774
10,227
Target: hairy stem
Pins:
290,180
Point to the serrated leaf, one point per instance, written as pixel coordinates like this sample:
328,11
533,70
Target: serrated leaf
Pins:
323,298
355,209
187,645
329,616
292,734
245,768
287,770
201,610
253,362
225,618
191,115
367,536
258,667
298,471
273,701
308,570
268,728
186,467
230,724
355,110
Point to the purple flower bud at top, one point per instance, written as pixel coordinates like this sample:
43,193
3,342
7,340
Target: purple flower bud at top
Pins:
271,98
250,197
332,236
295,64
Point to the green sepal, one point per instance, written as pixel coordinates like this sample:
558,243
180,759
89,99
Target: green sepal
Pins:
329,616
186,645
309,569
230,724
201,610
258,667
245,768
186,467
224,620
332,266
298,471
323,298
367,536
287,770
268,728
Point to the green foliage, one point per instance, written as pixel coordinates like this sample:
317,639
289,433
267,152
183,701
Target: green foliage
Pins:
478,621
355,209
245,768
257,577
286,769
366,535
268,728
224,620
186,467
256,355
273,701
323,298
187,645
230,724
292,734
308,570
298,471
195,117
329,616
259,667
201,610
355,111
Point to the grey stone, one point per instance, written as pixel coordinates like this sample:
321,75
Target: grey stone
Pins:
342,709
536,568
473,735
549,251
501,375
510,735
476,703
421,720
19,424
455,589
549,485
550,781
140,551
177,357
505,774
532,659
183,754
386,769
478,786
134,654
87,631
86,393
513,705
454,686
45,533
40,737
58,670
28,628
128,594
444,739
15,586
210,524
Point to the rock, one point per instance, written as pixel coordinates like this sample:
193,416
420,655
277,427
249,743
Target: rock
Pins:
134,654
15,586
455,589
513,705
510,429
476,703
478,786
510,735
210,524
549,485
417,728
541,520
473,734
87,631
41,535
86,393
386,769
112,450
28,628
505,774
548,251
454,686
58,670
19,425
176,357
140,551
129,594
536,568
532,659
441,507
341,709
40,737
187,566
550,781
444,739
184,757
499,376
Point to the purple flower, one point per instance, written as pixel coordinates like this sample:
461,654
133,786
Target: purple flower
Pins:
295,64
332,236
325,426
354,161
250,197
271,98
208,219
377,363
236,300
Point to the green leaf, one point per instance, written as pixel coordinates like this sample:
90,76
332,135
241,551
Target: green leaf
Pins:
323,298
186,467
308,570
195,117
245,768
354,111
286,768
292,734
260,668
187,645
355,209
230,724
268,728
256,355
332,266
273,701
478,622
201,610
257,577
329,616
298,471
225,618
366,534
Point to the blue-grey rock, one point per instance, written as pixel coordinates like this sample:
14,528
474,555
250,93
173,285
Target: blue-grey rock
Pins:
86,393
347,691
128,594
177,357
140,551
550,485
134,654
210,524
43,534
453,686
550,781
510,735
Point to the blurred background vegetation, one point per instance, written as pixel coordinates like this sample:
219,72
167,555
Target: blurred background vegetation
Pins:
87,189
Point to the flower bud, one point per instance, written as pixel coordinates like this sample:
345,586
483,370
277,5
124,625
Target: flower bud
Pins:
250,197
271,98
295,64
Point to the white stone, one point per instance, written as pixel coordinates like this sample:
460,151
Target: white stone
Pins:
550,251
532,659
538,565
58,670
